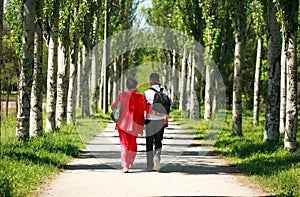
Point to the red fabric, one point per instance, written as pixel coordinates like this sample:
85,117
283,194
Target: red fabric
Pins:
128,148
132,112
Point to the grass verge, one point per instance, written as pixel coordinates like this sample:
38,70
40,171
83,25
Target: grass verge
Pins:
276,170
26,166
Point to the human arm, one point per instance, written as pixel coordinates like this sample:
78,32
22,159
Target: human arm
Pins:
114,105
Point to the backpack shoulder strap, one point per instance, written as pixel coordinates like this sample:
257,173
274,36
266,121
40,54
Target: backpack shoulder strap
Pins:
153,89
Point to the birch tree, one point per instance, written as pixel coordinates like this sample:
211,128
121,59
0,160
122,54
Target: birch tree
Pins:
52,64
36,112
239,22
95,59
271,129
258,21
290,21
282,116
63,64
87,42
105,55
72,98
63,59
194,108
25,83
256,91
183,84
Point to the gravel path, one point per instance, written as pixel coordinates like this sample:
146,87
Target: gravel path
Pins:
188,169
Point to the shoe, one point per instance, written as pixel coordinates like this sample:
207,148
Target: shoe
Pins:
125,170
148,169
156,163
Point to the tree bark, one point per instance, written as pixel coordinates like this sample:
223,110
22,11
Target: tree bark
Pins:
25,83
79,78
240,21
194,109
282,88
271,130
63,62
85,83
52,69
291,21
72,97
174,78
208,94
104,60
94,80
36,110
256,91
182,84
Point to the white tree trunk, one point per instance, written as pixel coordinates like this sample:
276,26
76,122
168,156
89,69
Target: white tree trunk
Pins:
71,100
36,110
208,94
182,84
271,130
282,88
174,79
188,87
291,54
194,109
79,77
72,90
52,70
237,89
25,83
114,81
256,91
237,94
104,60
164,69
94,80
61,83
85,84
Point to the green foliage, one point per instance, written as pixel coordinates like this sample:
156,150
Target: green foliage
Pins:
13,16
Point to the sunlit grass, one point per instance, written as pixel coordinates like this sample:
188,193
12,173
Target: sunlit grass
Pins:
266,163
26,166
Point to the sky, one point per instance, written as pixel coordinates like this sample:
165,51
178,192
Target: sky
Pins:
146,4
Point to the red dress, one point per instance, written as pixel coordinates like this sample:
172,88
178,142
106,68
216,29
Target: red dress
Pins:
130,123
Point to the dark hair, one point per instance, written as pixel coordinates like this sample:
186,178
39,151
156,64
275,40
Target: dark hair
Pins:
131,83
154,77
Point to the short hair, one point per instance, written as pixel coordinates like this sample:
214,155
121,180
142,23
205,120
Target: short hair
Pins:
131,83
154,77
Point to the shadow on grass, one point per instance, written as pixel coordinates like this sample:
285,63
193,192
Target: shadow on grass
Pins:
259,158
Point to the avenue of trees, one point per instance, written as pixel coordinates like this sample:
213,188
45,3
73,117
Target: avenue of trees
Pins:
50,50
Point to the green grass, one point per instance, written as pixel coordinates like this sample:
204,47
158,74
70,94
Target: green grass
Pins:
276,170
26,166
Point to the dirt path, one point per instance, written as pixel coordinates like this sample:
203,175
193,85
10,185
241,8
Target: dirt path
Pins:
187,170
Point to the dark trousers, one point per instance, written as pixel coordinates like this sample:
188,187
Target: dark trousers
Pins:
154,136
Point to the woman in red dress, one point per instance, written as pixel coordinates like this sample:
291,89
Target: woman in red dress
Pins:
131,121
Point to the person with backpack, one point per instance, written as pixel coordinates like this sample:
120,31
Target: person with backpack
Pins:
130,122
156,121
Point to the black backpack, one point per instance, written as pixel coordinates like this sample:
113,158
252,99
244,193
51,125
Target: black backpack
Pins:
161,103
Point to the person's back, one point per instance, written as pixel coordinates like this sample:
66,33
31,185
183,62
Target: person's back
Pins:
154,126
130,122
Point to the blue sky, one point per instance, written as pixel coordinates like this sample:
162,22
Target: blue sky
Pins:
145,3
